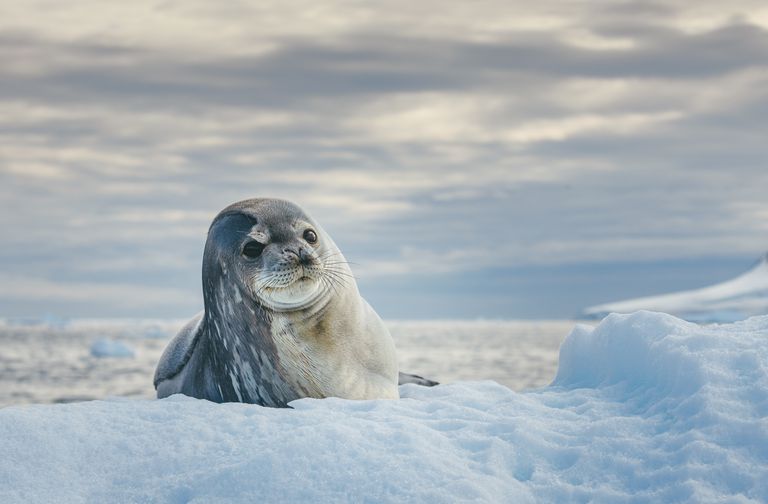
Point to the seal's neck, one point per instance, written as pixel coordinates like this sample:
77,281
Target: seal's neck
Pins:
236,352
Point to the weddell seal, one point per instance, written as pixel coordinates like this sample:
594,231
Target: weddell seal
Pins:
282,318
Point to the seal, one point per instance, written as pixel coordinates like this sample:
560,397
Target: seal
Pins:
282,319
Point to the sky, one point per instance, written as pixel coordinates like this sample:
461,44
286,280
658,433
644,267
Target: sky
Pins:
490,159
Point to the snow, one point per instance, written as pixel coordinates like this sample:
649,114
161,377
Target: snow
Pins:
111,348
736,299
644,408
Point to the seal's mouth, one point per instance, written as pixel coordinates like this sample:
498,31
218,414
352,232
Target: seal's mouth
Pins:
289,289
295,287
289,278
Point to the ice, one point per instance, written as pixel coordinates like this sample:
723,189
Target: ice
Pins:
645,408
111,348
730,301
156,332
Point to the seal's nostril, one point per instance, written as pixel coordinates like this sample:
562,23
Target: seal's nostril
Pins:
304,256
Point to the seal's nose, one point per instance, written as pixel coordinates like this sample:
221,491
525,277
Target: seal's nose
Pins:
303,256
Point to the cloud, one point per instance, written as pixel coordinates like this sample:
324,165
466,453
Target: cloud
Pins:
426,137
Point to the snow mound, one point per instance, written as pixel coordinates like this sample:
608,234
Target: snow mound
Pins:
644,408
736,299
111,348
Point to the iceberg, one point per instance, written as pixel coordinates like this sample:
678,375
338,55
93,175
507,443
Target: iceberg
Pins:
742,297
111,348
644,408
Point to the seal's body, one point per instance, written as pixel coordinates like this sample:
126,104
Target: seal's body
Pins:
283,318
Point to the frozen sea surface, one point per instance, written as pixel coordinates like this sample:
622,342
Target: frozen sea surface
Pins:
644,408
92,359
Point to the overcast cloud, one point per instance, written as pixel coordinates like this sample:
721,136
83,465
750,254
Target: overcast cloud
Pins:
495,159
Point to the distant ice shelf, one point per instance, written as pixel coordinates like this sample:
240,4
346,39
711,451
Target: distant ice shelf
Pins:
644,408
742,297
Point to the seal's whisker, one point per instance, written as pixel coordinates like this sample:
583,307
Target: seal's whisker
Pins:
324,257
332,276
329,253
335,282
330,285
336,263
340,273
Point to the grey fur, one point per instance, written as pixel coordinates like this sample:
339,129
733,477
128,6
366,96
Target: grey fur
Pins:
179,350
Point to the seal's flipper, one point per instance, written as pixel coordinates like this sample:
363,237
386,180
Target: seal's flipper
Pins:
177,352
418,380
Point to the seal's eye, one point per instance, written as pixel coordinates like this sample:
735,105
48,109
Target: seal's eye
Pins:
252,249
310,236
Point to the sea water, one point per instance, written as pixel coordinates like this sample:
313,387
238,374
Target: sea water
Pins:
82,360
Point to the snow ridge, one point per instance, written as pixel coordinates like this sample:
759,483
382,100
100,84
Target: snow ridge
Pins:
644,408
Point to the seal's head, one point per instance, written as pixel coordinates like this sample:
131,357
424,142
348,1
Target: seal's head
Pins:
281,258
